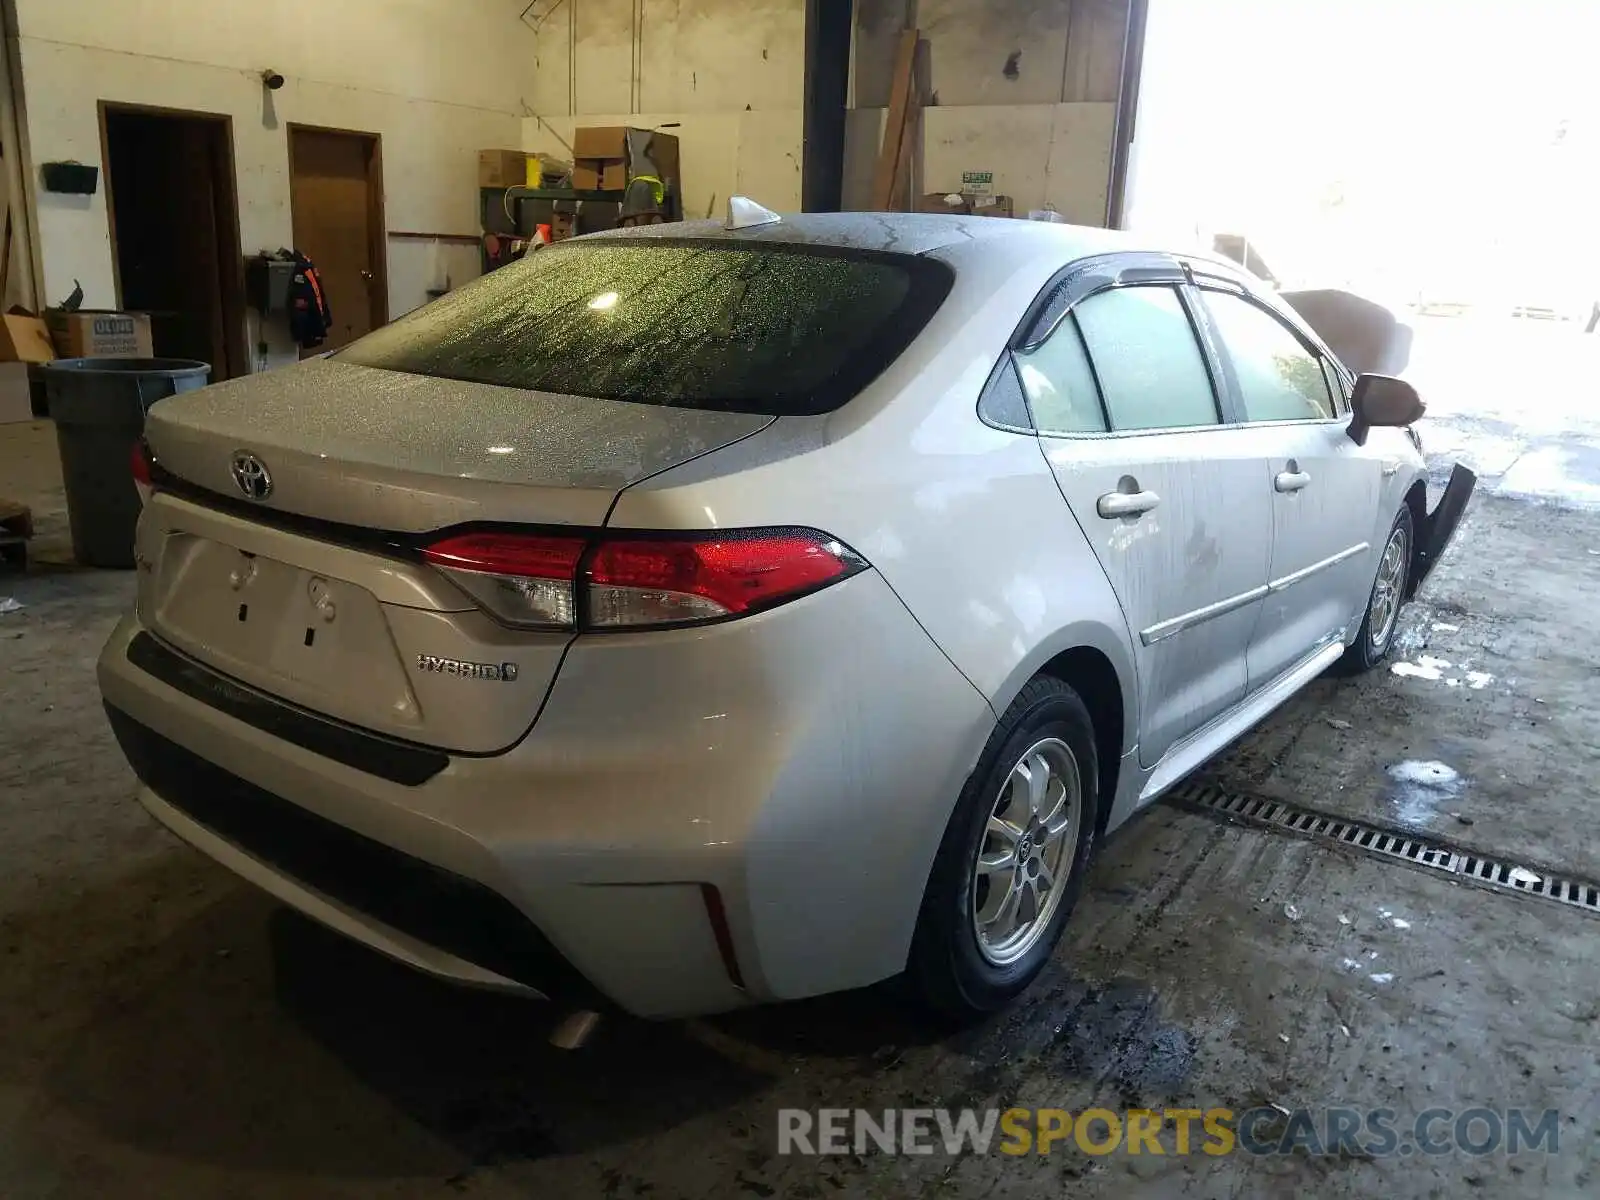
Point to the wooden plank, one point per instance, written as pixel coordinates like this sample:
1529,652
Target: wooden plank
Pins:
885,180
5,260
905,165
908,176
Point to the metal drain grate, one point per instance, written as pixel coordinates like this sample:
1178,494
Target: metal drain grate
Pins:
1370,839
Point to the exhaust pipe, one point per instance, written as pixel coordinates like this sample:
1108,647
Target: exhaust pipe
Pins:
574,1030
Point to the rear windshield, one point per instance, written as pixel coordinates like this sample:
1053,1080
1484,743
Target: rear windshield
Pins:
764,328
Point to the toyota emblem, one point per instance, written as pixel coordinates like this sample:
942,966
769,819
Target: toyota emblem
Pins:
252,476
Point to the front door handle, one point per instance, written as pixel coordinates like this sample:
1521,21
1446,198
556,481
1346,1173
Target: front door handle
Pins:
1126,504
1291,481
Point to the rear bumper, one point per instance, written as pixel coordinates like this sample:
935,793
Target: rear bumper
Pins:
410,909
808,783
1440,525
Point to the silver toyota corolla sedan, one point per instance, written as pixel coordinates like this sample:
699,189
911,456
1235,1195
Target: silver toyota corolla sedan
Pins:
705,614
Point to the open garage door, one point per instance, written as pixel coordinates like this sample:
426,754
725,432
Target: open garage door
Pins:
1437,158
1337,143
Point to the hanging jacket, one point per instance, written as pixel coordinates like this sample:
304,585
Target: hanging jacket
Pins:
309,314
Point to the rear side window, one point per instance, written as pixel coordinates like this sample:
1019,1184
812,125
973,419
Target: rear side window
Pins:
1059,383
1279,378
762,328
1149,364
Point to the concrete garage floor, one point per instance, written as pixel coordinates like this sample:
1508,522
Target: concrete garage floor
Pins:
166,1031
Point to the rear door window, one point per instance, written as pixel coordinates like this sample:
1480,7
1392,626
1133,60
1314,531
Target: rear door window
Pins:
779,329
1147,359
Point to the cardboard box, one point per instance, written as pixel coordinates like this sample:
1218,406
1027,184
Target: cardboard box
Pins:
991,206
15,402
25,339
100,333
966,206
600,141
504,168
599,175
612,143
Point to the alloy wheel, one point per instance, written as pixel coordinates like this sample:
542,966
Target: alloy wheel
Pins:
1026,851
1386,592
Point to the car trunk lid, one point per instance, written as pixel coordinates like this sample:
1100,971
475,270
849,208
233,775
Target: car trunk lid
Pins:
312,592
387,450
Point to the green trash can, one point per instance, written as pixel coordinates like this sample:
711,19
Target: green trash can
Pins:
98,405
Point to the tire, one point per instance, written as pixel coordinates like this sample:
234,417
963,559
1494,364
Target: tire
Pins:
1373,643
955,969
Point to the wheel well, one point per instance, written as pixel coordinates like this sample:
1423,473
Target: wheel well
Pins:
1090,673
1417,501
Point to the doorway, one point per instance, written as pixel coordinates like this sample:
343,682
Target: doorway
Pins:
336,201
174,216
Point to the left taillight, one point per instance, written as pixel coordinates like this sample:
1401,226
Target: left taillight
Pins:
523,580
614,581
143,463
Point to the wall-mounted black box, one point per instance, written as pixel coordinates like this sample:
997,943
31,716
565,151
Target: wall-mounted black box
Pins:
75,179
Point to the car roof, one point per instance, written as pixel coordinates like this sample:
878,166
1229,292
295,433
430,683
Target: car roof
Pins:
905,233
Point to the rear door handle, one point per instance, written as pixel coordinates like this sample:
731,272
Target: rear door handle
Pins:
1291,481
1126,504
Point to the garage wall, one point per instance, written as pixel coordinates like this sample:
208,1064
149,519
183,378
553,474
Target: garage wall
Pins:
728,73
1024,88
438,81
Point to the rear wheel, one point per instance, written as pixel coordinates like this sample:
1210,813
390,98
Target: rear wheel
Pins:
1382,619
1013,857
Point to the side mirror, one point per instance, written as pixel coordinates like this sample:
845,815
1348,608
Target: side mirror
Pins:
1382,400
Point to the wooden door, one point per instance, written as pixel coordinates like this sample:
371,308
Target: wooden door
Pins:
336,198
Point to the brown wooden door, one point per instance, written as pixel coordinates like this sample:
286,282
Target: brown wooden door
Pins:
336,197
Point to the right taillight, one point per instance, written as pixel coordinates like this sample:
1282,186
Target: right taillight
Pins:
626,582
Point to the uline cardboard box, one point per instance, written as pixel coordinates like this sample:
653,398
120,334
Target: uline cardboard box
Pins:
99,333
